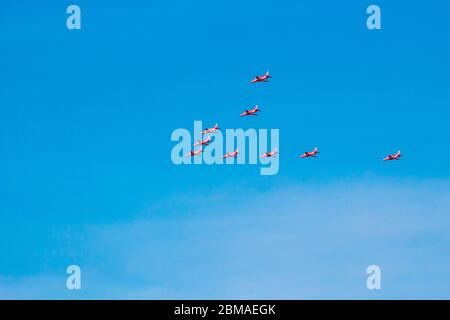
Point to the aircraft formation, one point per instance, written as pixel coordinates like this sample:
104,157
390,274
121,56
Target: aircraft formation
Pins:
254,112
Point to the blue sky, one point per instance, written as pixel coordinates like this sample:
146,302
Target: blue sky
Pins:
83,112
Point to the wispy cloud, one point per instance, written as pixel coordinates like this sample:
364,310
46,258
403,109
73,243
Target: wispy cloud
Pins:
294,241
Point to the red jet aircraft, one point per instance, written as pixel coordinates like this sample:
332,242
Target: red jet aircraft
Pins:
252,112
310,154
194,153
211,130
263,78
231,154
270,153
203,142
395,156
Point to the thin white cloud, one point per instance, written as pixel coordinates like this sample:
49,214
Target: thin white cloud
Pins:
295,241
